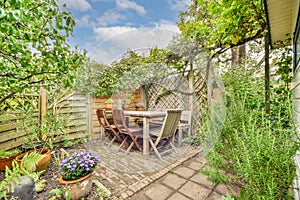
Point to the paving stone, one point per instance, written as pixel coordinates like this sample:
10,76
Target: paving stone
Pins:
227,189
194,165
200,178
184,171
194,191
177,196
214,196
173,181
158,192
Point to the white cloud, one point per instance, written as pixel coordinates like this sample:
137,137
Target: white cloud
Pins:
84,21
81,5
110,17
179,5
126,4
112,42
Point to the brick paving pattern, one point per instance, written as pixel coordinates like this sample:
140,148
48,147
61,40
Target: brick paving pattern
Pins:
135,177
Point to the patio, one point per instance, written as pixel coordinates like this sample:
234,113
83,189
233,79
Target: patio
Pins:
133,177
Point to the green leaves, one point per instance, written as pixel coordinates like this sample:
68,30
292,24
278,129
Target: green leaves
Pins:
33,50
223,23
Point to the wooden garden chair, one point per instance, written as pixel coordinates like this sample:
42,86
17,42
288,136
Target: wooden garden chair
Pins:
106,128
166,135
113,129
185,124
130,134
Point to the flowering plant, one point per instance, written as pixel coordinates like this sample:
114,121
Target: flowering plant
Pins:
78,165
140,104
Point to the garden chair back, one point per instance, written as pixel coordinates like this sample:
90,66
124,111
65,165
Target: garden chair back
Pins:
166,134
131,135
185,123
112,129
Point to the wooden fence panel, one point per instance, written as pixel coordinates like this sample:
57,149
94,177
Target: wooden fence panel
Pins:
72,106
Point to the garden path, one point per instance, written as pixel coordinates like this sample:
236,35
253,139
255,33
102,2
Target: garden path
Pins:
134,177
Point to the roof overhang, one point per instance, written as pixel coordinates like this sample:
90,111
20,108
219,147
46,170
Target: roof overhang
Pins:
281,17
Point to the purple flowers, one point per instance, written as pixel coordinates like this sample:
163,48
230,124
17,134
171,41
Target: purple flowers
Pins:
78,165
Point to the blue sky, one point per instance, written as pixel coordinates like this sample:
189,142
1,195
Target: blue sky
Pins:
107,28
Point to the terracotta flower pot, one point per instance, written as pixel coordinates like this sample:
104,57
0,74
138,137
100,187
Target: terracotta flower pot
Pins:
78,188
6,162
43,164
108,106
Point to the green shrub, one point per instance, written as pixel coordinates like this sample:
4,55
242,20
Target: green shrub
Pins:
257,148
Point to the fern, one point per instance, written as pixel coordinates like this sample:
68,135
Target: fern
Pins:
26,168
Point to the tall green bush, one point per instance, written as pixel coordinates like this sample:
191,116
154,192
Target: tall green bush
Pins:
257,148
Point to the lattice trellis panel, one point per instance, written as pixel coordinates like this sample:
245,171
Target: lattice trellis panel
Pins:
173,92
17,102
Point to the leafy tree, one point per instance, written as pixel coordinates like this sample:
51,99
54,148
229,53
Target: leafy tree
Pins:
33,47
222,24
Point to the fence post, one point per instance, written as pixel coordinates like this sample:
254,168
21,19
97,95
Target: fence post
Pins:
42,107
89,113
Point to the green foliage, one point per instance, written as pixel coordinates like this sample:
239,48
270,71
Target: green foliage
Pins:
43,135
110,101
59,193
26,168
7,154
33,48
220,24
128,73
258,148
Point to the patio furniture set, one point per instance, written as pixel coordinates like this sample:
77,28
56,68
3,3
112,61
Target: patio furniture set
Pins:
156,133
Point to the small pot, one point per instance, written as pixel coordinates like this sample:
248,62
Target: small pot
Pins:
6,162
43,164
78,188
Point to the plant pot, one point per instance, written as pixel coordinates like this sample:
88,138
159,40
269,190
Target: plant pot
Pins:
108,106
78,188
6,162
125,106
43,164
140,108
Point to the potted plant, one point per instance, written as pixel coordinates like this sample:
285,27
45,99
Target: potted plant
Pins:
109,104
139,106
22,181
40,136
7,157
126,103
76,172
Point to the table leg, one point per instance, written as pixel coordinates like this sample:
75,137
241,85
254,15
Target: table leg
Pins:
146,136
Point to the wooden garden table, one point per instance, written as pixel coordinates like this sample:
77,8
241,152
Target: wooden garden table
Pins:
146,116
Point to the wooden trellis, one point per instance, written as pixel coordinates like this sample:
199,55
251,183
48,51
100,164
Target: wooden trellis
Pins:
173,92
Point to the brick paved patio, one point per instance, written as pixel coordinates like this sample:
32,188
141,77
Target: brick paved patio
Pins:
177,177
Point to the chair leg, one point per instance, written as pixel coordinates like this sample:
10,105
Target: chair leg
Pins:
112,141
123,142
173,147
129,148
155,150
179,136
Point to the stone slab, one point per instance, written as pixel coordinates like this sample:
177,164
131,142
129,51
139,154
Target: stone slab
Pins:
200,178
184,172
158,192
173,181
178,196
195,191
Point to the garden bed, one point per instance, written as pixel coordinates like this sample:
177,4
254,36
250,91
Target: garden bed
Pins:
52,175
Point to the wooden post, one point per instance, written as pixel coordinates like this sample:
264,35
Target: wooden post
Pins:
191,78
89,113
267,75
42,108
